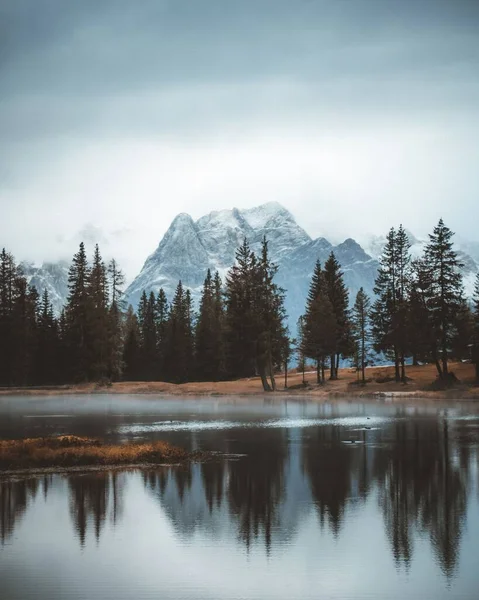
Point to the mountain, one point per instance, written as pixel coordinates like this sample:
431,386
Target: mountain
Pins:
52,277
189,248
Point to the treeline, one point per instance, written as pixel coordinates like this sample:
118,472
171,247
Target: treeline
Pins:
238,331
419,314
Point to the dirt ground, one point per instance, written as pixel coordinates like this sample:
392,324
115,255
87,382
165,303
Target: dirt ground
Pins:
420,380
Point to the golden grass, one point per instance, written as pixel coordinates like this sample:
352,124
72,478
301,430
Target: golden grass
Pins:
72,451
379,380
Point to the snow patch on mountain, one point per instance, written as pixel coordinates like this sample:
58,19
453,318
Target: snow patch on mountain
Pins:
52,277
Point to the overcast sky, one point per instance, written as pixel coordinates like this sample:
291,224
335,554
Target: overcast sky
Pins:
116,115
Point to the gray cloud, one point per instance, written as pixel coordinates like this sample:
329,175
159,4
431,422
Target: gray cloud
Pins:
108,108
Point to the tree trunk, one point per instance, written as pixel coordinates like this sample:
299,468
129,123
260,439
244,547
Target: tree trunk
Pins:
403,369
271,370
337,365
437,363
397,374
264,381
477,370
363,362
323,369
318,373
445,370
415,362
286,375
332,359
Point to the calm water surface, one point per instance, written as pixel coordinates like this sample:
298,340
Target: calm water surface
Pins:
304,501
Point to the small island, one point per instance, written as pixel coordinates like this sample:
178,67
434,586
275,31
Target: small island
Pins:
74,453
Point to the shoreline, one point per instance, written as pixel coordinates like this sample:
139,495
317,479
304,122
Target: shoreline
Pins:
422,383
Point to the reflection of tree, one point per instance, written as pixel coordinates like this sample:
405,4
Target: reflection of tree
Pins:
14,499
89,501
213,474
328,463
256,484
421,486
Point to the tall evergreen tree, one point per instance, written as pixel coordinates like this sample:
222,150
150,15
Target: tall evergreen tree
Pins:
445,295
475,346
208,353
99,321
8,276
338,297
179,358
161,327
309,332
47,350
78,313
389,315
132,347
360,319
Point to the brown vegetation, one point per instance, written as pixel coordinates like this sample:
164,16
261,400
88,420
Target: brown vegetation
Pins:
421,382
73,451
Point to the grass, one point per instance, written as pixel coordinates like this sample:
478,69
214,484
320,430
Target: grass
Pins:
73,451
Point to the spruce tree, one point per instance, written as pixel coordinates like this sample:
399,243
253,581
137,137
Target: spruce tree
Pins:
475,345
46,360
308,332
179,357
338,297
78,340
206,335
99,320
360,320
445,295
321,332
132,347
161,327
389,315
8,275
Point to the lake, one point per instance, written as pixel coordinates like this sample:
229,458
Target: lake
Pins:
303,500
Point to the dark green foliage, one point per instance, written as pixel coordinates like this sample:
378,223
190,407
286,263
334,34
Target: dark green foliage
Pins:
132,347
209,343
445,292
475,338
254,315
337,294
179,355
361,331
389,315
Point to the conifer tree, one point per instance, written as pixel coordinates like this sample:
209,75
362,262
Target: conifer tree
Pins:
132,347
161,327
445,293
25,309
206,344
116,280
475,345
321,332
47,350
99,322
308,333
78,317
360,319
147,325
389,315
8,274
338,297
179,356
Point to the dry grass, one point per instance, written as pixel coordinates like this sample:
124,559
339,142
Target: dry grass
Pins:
72,451
380,379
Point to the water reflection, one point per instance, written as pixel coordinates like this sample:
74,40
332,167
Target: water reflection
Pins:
416,470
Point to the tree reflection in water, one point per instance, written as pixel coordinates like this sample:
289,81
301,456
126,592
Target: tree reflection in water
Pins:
416,469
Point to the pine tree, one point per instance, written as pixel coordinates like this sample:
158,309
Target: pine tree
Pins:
389,315
78,318
179,358
360,318
239,315
161,326
321,332
99,321
445,295
338,297
475,313
208,357
132,347
147,325
47,350
309,342
24,313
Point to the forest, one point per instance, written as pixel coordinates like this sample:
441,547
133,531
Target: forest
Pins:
419,314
